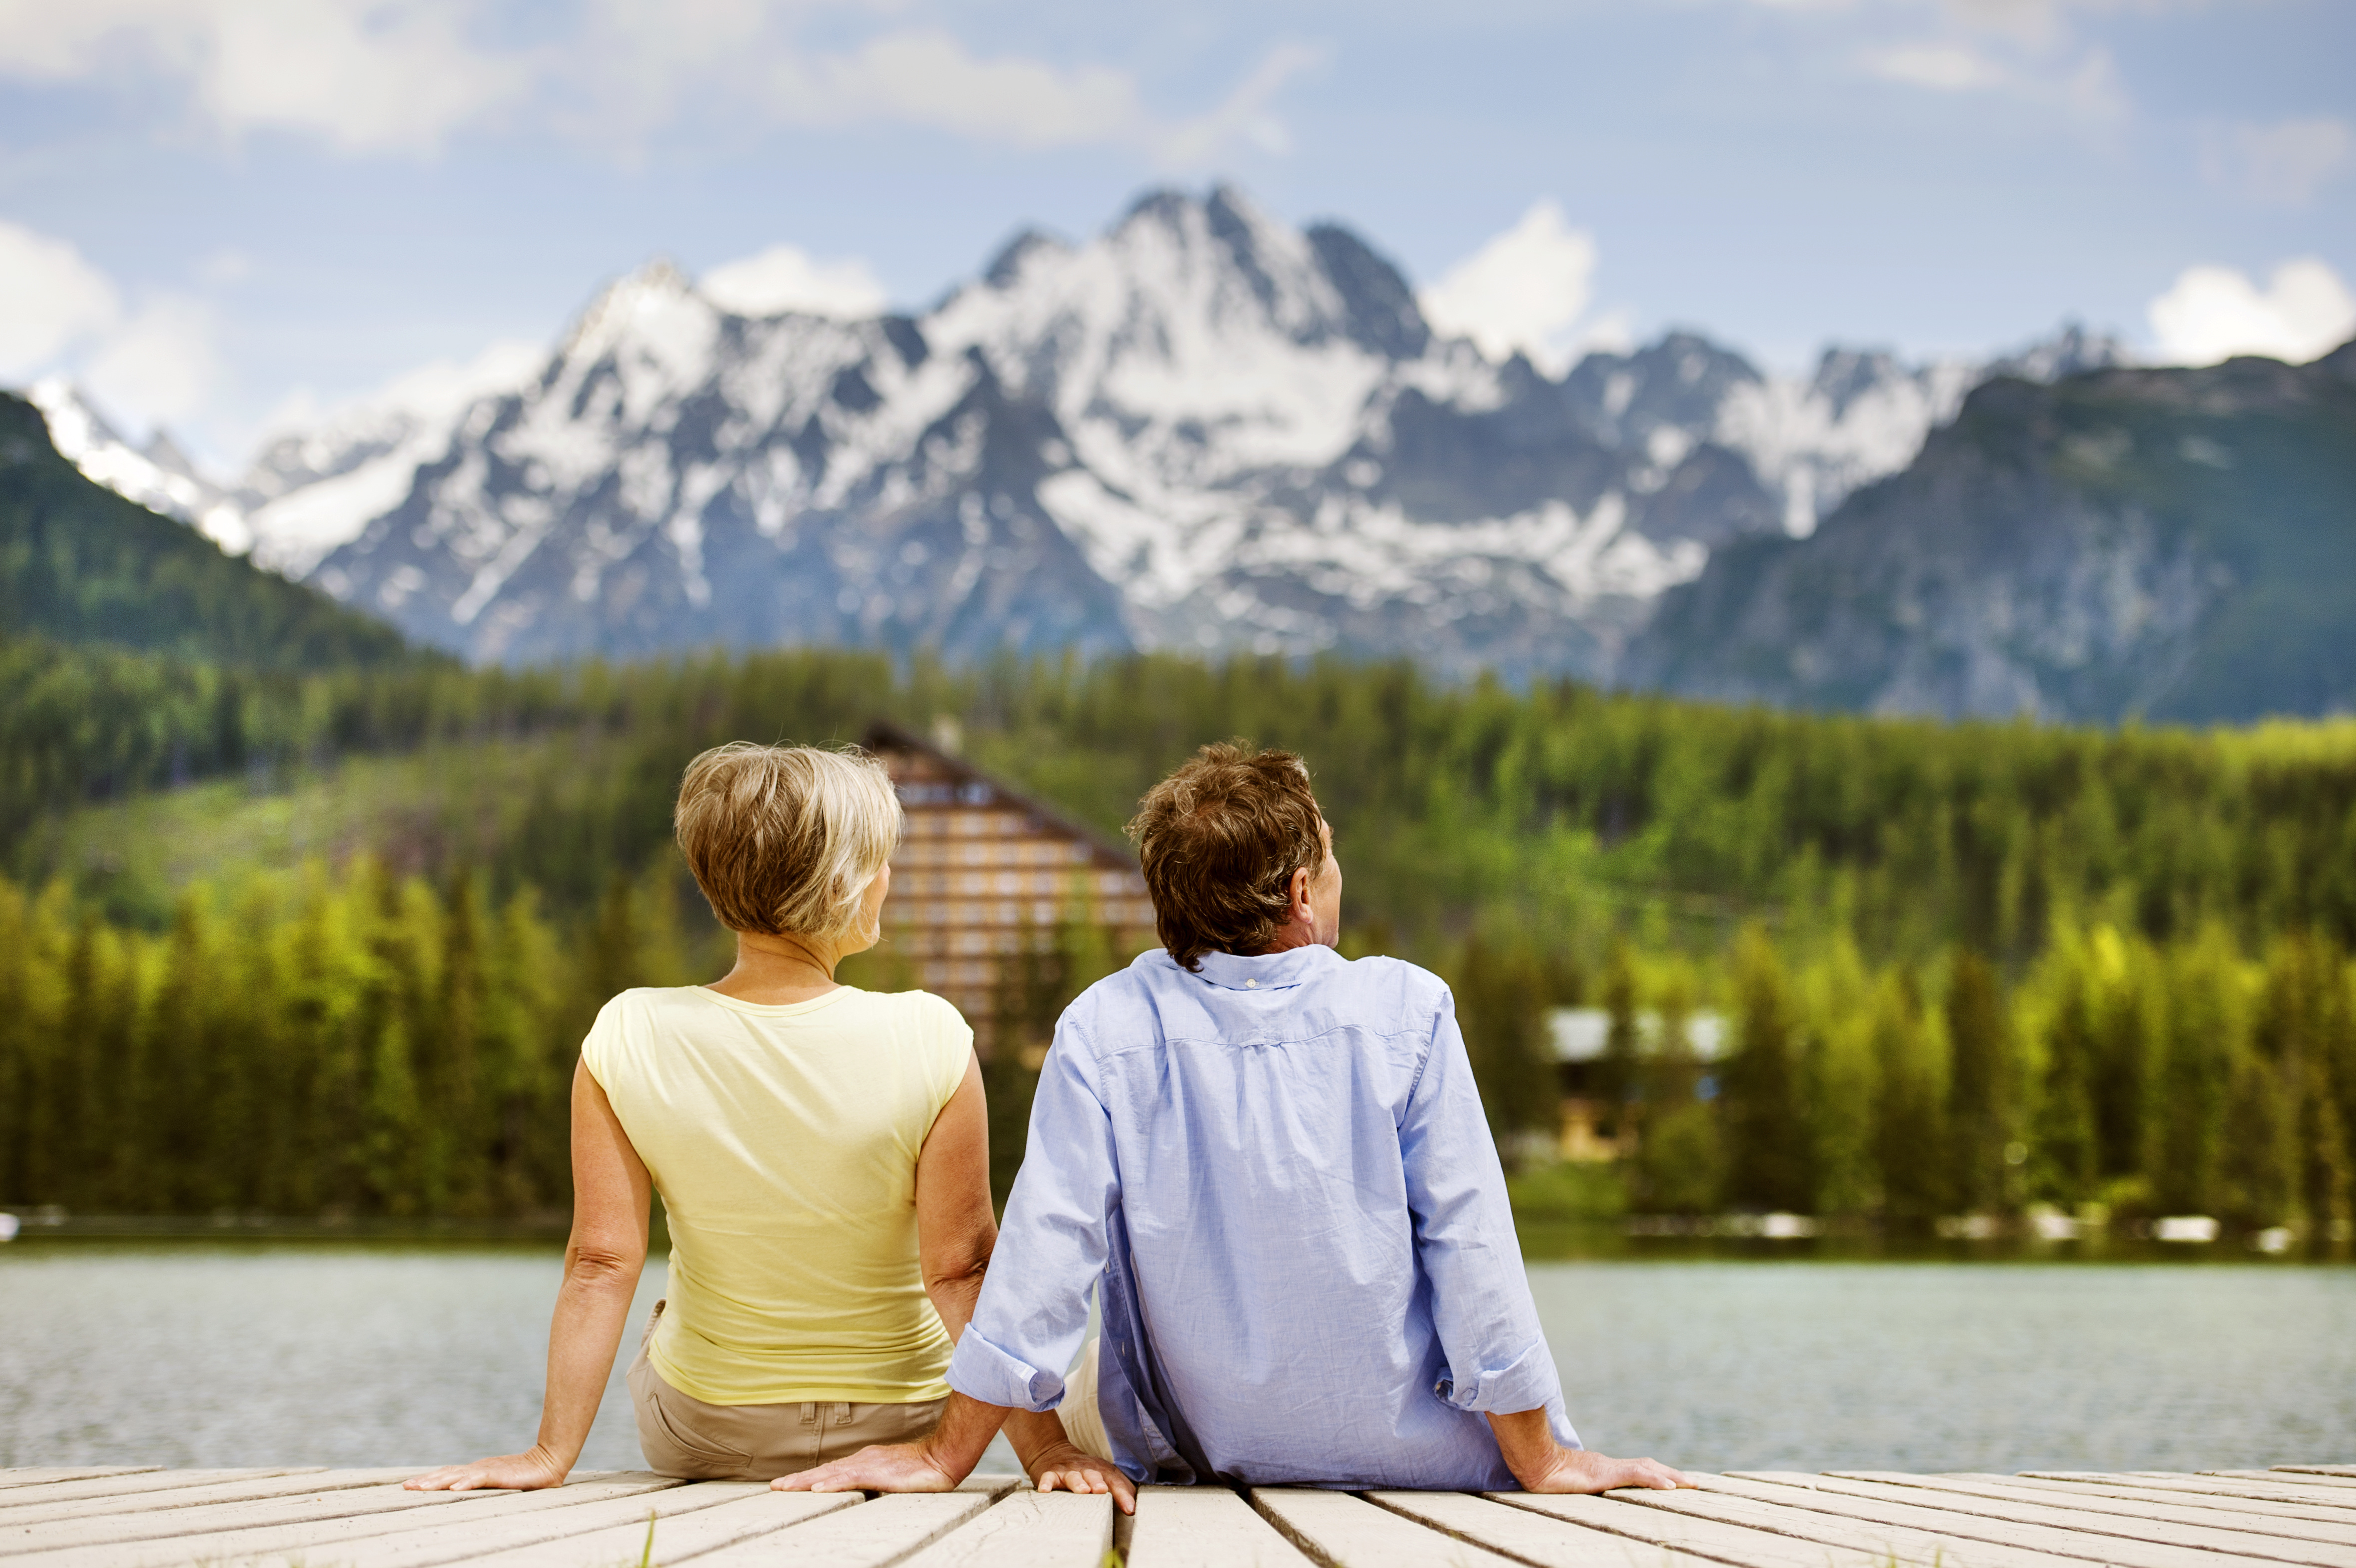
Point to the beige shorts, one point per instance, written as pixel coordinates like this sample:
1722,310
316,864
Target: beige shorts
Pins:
1083,1417
683,1435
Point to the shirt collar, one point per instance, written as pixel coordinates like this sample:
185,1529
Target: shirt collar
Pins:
1293,966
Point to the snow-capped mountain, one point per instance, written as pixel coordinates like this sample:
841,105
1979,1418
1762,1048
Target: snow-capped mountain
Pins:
1202,429
313,489
157,475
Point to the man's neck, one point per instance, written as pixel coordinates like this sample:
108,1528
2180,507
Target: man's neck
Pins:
1292,934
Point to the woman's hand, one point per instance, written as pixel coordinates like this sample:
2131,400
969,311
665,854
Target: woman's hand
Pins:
527,1472
1061,1464
878,1467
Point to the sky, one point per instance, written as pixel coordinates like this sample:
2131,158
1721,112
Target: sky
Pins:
227,216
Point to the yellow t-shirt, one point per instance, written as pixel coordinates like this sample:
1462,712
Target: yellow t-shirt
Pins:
784,1142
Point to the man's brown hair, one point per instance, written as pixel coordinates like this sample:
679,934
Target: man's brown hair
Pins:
1219,841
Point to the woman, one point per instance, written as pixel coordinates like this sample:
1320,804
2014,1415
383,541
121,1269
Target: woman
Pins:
822,1153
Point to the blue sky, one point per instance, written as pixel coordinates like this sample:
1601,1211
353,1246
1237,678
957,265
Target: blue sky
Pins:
222,212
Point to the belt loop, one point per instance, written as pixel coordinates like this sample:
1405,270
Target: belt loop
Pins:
809,1413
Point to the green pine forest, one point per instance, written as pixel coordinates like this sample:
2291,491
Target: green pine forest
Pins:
319,935
1965,969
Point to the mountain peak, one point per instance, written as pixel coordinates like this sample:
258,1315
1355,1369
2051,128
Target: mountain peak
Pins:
1006,267
2070,350
657,286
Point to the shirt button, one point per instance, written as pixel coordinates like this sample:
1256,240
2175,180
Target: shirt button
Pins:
1252,984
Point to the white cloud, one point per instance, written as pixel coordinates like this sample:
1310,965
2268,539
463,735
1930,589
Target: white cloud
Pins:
366,75
1244,116
785,277
928,77
2211,313
161,364
1526,289
402,76
2088,86
60,315
1944,68
2284,164
50,299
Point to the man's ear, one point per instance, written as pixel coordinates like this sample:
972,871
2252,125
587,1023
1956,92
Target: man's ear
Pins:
1298,889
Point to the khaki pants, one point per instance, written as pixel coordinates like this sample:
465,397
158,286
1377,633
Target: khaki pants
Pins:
682,1436
1083,1418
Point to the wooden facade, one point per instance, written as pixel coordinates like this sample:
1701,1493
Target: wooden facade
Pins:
985,874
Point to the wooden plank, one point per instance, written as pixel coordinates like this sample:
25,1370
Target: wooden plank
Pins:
675,1540
2347,1470
1750,1534
2138,1525
1334,1526
883,1530
47,1474
132,1486
2170,1510
256,1489
321,1496
242,1529
2209,1486
1029,1530
2290,1477
1528,1534
2083,1535
2220,1497
450,1538
1204,1527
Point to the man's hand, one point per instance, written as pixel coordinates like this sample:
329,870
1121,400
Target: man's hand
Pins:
1062,1465
526,1472
1578,1470
1542,1465
878,1467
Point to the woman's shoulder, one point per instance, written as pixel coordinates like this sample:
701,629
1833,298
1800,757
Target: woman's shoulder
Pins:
918,1010
641,1002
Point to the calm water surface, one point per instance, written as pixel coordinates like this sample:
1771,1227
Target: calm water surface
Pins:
225,1356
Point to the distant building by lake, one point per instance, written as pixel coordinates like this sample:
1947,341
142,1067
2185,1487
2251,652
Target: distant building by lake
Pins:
1592,1128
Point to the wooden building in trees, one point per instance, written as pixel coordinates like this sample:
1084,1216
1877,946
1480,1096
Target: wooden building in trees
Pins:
989,884
1604,1095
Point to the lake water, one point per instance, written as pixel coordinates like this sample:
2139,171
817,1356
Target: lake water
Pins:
196,1355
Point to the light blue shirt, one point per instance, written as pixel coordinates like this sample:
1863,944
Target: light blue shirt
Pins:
1278,1172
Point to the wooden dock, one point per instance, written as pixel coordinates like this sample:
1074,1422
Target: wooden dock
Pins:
132,1518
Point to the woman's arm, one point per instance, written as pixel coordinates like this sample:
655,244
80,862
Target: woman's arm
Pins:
956,1230
612,1196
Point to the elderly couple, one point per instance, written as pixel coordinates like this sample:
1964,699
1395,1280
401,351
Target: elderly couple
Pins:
1268,1161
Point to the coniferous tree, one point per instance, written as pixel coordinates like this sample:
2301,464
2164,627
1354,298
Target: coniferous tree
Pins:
1680,1161
18,964
1768,1142
1501,1007
2195,1076
1618,1076
1910,1130
2063,1153
1978,1085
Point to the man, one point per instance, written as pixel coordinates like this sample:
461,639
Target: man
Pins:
1271,1164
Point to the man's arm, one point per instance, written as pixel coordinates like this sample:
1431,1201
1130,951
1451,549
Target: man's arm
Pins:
1031,1317
1498,1354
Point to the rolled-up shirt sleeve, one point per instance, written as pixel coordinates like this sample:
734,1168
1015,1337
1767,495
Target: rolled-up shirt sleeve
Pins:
1033,1310
1488,1325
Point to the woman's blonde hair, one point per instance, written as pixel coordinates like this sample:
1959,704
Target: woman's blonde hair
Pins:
787,837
